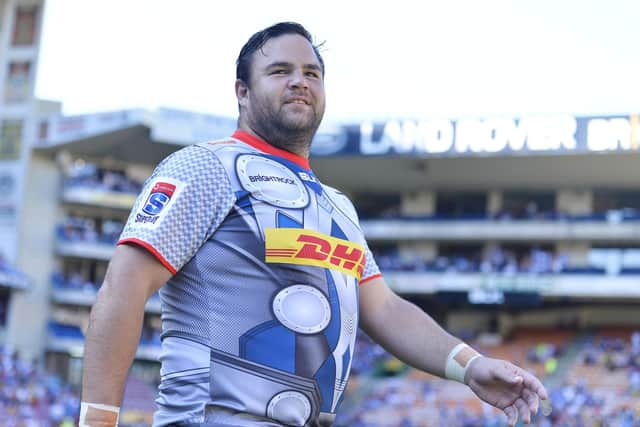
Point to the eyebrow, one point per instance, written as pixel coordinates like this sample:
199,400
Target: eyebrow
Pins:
285,64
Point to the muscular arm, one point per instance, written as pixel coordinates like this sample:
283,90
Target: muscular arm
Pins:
116,321
403,329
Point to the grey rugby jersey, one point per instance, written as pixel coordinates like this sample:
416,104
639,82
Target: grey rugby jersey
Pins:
260,317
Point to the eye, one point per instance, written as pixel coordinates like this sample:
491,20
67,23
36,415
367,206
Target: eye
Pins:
279,71
313,74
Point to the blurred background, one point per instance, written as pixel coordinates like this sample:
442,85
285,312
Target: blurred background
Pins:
491,149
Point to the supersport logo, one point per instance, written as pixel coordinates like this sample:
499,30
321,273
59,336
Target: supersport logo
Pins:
306,247
159,197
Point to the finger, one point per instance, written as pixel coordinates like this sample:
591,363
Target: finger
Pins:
512,415
507,373
532,400
534,384
523,409
547,408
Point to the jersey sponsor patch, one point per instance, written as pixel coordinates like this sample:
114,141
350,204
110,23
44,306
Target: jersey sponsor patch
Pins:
271,182
157,202
306,247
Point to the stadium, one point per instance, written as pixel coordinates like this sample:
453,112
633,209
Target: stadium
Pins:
520,235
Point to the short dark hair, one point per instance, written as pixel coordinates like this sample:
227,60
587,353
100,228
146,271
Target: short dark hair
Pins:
243,63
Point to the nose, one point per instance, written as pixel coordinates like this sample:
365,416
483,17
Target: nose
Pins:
298,80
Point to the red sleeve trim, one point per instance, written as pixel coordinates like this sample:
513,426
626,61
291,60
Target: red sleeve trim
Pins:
151,249
370,278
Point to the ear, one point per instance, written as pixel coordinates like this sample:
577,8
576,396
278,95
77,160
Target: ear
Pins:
242,93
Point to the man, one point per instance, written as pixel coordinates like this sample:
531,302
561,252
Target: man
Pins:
267,275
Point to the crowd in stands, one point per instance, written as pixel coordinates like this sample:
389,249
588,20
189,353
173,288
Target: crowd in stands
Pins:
614,215
29,396
367,355
32,397
89,175
527,210
498,260
475,209
577,405
87,230
409,401
150,336
77,281
615,354
505,261
72,324
73,281
545,354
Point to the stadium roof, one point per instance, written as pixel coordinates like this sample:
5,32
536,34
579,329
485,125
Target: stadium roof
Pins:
133,136
132,144
143,137
539,172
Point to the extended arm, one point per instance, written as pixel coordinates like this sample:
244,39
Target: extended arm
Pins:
414,337
404,329
114,328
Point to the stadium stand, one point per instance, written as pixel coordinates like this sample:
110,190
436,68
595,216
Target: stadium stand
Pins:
513,271
526,246
586,395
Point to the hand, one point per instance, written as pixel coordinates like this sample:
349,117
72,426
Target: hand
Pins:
507,387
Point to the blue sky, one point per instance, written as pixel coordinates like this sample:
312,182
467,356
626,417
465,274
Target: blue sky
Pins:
400,58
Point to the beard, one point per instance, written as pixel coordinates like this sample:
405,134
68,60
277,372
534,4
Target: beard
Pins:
286,128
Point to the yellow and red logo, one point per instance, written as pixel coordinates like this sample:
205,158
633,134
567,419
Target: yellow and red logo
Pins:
307,247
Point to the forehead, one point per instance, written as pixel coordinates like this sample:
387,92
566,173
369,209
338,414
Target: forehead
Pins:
292,48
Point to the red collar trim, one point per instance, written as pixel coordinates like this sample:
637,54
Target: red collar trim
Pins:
265,147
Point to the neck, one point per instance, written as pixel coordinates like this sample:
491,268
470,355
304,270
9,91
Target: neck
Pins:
298,144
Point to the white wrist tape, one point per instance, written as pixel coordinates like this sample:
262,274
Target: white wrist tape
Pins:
458,362
96,412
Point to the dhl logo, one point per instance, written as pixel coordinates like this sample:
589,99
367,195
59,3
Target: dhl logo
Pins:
306,247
